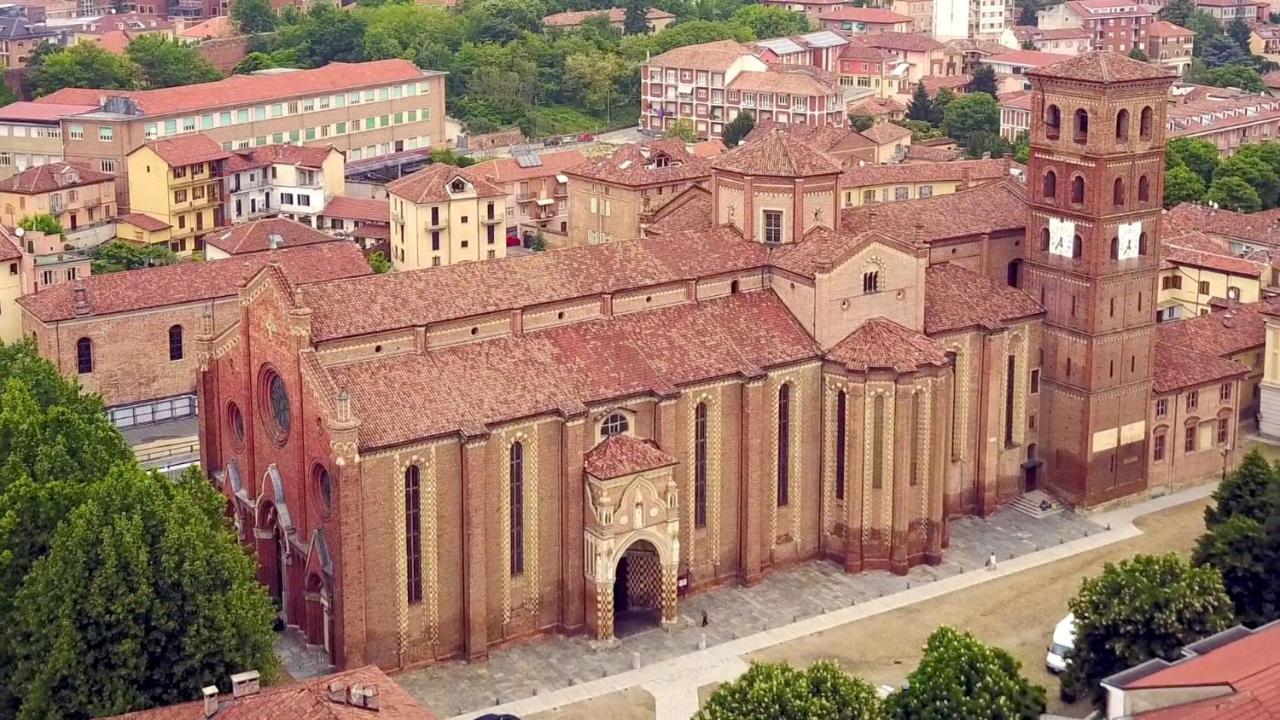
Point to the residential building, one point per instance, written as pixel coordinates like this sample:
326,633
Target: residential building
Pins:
361,109
1226,118
1116,25
1253,12
178,181
114,32
1201,272
365,220
76,197
879,108
1170,45
711,83
131,336
1015,114
1060,41
1234,331
31,134
1264,40
1232,674
341,696
1272,82
19,36
142,229
861,66
1012,67
444,215
811,8
219,26
922,54
11,285
892,141
564,21
258,235
296,181
32,262
874,184
608,195
537,193
859,20
920,12
958,19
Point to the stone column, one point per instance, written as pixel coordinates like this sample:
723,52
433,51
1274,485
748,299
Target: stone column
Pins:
573,507
475,600
751,482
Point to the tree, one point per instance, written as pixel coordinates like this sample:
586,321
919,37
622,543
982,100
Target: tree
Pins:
595,77
253,62
737,130
1245,492
85,65
321,35
1022,148
43,222
961,677
942,100
1178,11
1233,193
144,598
1149,606
429,36
1238,30
379,262
861,121
1231,75
984,80
1181,184
972,118
115,256
682,129
1137,54
768,21
169,63
253,16
502,21
636,21
920,107
1200,156
1241,552
777,690
449,157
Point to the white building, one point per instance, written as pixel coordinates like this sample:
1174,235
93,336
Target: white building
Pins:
291,180
959,19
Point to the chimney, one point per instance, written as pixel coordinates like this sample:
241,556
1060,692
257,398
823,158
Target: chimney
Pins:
210,694
363,696
274,241
80,301
244,684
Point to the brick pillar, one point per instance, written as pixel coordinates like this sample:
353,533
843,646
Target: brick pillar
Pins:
898,495
573,507
753,428
475,601
854,500
939,458
986,465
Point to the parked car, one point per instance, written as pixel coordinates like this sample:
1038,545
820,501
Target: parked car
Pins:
552,141
586,137
1064,638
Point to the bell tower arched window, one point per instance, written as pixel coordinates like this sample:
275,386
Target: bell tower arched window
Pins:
1052,122
1077,190
1144,123
1144,189
1081,135
1050,189
1122,126
1117,193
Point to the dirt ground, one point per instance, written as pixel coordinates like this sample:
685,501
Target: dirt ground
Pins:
631,704
1016,613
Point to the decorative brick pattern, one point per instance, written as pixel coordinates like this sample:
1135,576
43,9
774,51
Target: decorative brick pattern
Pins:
711,396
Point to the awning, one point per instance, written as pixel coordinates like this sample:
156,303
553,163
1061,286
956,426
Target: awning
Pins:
685,88
562,178
545,201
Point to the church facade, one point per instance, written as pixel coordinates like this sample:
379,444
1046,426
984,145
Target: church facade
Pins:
433,463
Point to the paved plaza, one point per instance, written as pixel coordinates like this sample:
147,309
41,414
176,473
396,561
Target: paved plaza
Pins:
784,597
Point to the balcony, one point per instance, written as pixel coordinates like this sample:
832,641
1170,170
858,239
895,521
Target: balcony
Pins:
437,224
494,220
525,197
562,190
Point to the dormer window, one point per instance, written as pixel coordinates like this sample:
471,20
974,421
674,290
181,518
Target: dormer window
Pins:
458,185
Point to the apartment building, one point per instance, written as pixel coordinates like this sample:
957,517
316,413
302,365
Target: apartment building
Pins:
1199,271
31,134
30,262
537,193
178,181
920,12
811,8
953,19
1170,45
923,55
1227,118
818,49
1015,114
20,34
1115,25
362,109
77,197
711,83
862,66
859,20
1063,41
296,181
1253,12
608,195
445,215
1012,67
1264,40
364,219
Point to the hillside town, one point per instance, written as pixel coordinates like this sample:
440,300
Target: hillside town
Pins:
728,359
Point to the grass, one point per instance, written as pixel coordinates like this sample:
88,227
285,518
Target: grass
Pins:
566,120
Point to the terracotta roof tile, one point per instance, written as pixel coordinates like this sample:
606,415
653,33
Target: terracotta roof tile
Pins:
188,282
956,298
505,170
886,132
615,15
9,248
688,210
75,96
926,153
989,208
865,15
187,149
910,42
1164,28
431,184
707,149
975,170
878,106
144,222
1260,227
1180,367
784,79
620,455
363,209
1272,79
880,343
307,156
819,137
634,165
778,153
38,111
715,56
255,236
306,700
214,27
1103,67
1223,333
1213,261
53,176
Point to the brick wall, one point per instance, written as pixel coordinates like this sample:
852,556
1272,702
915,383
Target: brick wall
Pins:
225,53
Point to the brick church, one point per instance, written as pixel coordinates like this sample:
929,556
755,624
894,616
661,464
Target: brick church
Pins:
433,463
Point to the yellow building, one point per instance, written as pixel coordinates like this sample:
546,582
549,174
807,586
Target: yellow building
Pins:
444,215
76,197
10,287
1199,271
871,184
177,181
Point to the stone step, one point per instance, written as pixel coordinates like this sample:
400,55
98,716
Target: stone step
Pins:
1031,504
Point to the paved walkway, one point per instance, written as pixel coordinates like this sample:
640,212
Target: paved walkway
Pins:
674,680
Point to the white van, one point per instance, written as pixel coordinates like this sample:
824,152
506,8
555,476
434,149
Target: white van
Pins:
1064,638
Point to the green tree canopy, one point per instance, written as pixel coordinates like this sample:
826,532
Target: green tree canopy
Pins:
1200,156
1178,11
253,16
777,690
1231,75
1137,54
984,80
636,20
426,35
1181,185
682,129
115,256
1239,32
502,20
321,35
378,262
44,222
960,677
1233,193
768,21
84,65
1245,492
1239,549
973,117
168,62
920,107
861,121
1146,607
737,130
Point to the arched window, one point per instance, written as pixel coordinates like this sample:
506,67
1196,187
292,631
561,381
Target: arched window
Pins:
1117,193
517,508
1052,122
323,487
700,465
877,442
1082,126
1144,123
615,424
1077,190
413,531
1050,190
784,444
733,288
1044,239
1077,248
175,342
1142,250
871,281
1122,126
1144,189
84,356
841,440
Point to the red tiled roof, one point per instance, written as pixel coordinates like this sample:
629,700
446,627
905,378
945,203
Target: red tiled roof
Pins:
115,41
989,208
1103,67
255,236
506,169
615,15
219,26
188,282
143,222
880,343
363,209
431,184
777,153
927,153
1260,227
630,165
9,249
1179,367
865,15
956,298
1164,28
716,56
1027,58
75,96
53,176
620,455
782,79
885,132
40,111
1223,333
707,149
1272,79
910,42
187,149
1213,261
688,210
818,137
865,175
879,106
306,700
307,156
568,367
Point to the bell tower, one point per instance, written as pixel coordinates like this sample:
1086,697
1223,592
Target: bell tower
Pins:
1095,184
